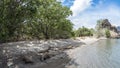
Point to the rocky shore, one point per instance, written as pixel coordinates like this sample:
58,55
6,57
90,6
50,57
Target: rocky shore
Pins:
36,54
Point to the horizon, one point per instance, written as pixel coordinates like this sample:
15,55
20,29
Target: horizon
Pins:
87,12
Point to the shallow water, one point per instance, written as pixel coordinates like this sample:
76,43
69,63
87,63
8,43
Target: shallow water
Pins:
102,54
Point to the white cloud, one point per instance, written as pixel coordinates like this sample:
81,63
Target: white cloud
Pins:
61,0
88,18
79,6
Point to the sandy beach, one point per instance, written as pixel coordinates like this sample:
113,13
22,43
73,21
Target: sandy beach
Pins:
89,40
86,40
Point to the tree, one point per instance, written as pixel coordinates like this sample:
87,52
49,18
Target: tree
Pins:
52,20
107,33
34,19
84,32
13,15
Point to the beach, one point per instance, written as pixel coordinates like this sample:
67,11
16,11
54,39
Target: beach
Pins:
45,54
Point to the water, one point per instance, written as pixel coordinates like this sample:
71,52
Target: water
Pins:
103,54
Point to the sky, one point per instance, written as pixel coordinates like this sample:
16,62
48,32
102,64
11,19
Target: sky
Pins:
87,12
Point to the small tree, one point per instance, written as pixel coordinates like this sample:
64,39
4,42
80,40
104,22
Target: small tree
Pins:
84,32
107,33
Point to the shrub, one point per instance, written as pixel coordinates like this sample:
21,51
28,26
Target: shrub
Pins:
107,33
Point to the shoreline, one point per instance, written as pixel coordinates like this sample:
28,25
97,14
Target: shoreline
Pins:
81,55
89,40
35,54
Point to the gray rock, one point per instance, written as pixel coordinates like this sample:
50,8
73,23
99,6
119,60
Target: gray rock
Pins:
26,54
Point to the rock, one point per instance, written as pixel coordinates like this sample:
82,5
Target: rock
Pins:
10,62
29,53
27,59
103,25
118,29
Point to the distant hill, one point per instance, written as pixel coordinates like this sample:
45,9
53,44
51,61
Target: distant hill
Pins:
103,25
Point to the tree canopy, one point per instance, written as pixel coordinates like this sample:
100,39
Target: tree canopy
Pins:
33,19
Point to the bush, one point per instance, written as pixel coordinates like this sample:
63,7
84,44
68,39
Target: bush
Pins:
84,32
107,33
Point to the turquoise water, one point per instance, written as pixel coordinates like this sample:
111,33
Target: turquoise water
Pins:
102,54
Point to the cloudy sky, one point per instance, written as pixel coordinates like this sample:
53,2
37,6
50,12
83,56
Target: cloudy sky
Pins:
87,12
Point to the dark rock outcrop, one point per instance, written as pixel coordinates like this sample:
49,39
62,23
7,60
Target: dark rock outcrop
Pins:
34,54
103,25
118,28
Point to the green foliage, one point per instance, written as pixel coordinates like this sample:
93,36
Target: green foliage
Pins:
51,20
13,15
33,19
107,33
84,32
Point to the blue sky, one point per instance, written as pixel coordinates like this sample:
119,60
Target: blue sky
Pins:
87,12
